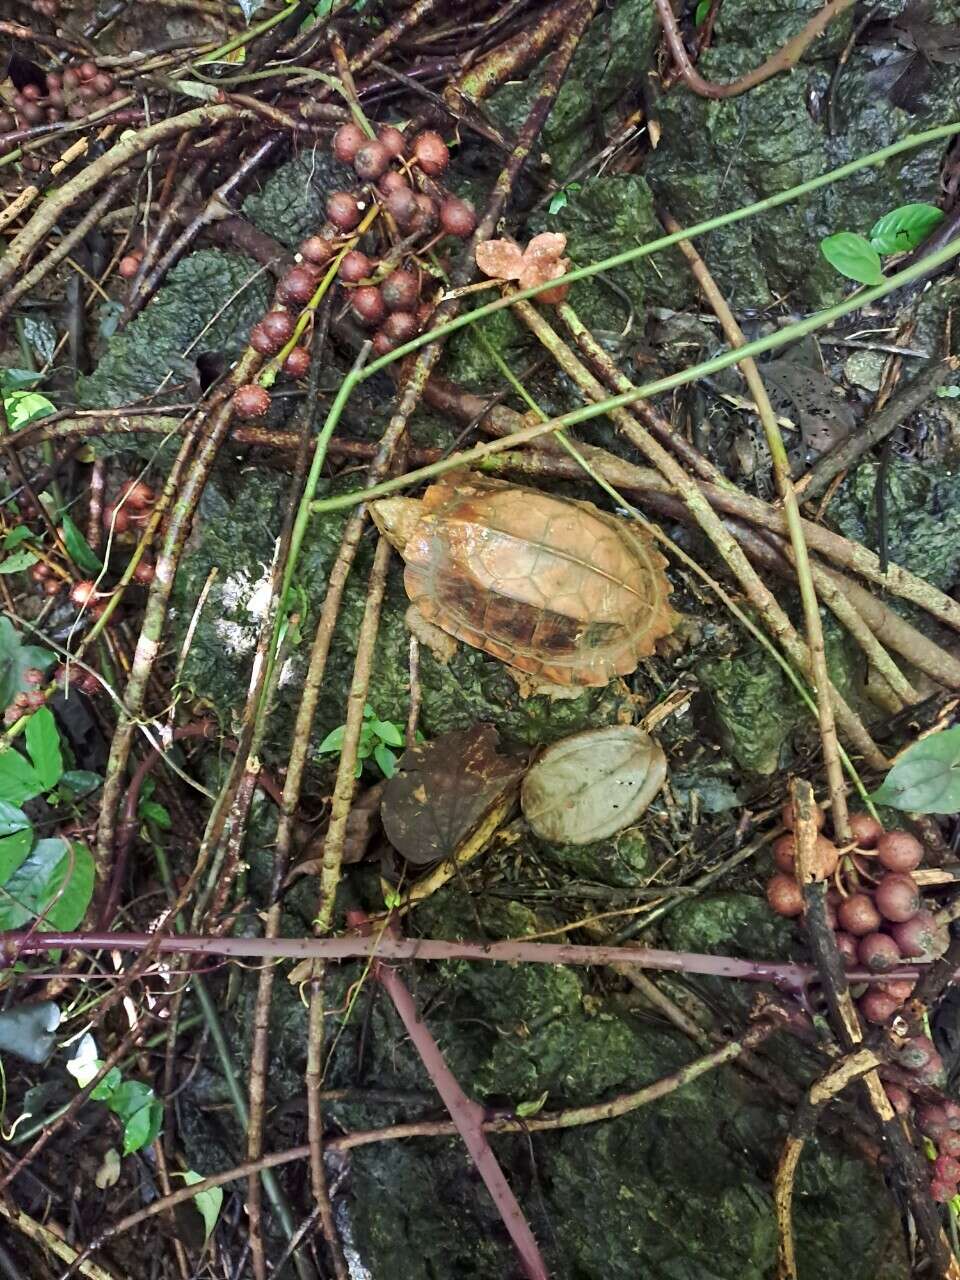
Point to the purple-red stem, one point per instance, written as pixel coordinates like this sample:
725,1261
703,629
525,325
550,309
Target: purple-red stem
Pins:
468,1116
792,978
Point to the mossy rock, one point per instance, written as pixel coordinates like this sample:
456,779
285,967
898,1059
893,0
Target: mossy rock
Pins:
738,924
208,304
923,516
624,861
292,202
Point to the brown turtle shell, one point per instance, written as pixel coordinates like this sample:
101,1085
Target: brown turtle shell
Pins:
550,586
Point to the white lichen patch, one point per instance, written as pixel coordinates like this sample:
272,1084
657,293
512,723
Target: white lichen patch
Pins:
246,599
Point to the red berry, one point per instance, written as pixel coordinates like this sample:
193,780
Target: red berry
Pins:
392,181
899,1098
401,326
402,206
784,895
261,341
382,345
785,853
103,84
144,573
401,290
31,92
298,285
915,1053
371,161
946,1168
879,953
949,1143
897,897
430,153
847,946
87,70
33,675
899,851
457,217
952,1112
138,495
393,140
279,327
876,1007
343,210
297,363
39,571
53,586
129,265
82,593
367,305
355,266
251,400
866,830
71,78
318,249
921,937
347,141
899,989
425,218
858,915
425,314
942,1192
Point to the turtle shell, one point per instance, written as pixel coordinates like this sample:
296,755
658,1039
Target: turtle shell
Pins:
550,586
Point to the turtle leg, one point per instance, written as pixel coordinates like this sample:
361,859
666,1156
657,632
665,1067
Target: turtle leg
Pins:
440,644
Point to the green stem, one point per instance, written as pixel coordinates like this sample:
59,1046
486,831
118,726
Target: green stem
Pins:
587,412
679,553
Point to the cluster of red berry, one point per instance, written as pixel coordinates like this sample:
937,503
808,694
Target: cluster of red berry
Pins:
131,507
71,93
940,1122
873,904
383,296
25,702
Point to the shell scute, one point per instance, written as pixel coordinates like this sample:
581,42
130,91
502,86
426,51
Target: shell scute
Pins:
553,587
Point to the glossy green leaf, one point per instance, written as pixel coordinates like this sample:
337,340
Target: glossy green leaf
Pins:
55,882
12,820
20,534
24,407
142,1127
334,740
43,744
208,1202
18,779
853,257
700,17
13,852
80,782
108,1085
80,550
386,760
388,732
905,228
129,1097
16,658
925,777
534,1105
17,562
151,811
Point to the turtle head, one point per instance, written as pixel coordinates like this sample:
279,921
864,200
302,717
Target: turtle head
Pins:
396,518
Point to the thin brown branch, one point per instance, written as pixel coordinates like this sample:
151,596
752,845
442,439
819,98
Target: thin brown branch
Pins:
784,59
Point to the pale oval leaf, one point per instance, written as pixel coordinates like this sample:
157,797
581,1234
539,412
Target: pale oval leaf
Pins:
926,777
593,785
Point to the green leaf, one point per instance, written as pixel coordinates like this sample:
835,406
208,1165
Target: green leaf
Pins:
557,202
700,17
142,1128
13,820
388,732
853,257
949,392
24,407
926,777
208,1202
43,744
107,1086
79,548
151,811
386,760
17,379
14,850
129,1097
537,1104
15,659
54,882
18,780
334,740
19,534
80,782
196,88
904,228
19,561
